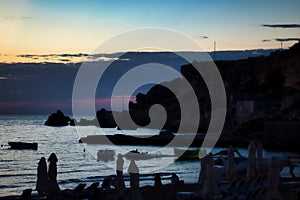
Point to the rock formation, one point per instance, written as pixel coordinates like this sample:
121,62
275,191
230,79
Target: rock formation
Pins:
58,119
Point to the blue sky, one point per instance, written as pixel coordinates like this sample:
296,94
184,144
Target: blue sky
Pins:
39,27
50,28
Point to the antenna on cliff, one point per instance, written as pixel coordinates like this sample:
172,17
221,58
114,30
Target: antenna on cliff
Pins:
215,46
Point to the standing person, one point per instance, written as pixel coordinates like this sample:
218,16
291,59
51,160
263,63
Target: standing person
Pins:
42,177
119,181
53,191
157,181
174,179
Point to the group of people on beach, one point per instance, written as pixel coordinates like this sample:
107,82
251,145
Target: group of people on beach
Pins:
118,182
47,179
208,180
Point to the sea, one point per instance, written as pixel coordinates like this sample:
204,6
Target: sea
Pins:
78,162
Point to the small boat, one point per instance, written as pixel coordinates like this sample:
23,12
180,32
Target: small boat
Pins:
23,145
190,153
166,133
136,155
106,155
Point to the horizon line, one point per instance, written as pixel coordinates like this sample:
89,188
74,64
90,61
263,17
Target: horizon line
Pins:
62,58
109,53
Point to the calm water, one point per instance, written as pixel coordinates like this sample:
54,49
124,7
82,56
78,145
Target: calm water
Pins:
18,168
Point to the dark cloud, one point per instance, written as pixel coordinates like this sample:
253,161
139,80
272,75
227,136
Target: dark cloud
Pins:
52,55
73,55
287,39
281,39
267,40
281,25
64,60
25,55
202,36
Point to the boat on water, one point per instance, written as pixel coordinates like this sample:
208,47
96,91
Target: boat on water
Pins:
136,155
190,153
23,145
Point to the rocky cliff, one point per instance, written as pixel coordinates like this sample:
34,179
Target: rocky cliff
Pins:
271,83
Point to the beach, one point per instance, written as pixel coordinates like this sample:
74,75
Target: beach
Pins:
77,167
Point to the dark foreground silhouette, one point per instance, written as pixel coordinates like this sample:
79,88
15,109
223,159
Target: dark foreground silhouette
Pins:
252,178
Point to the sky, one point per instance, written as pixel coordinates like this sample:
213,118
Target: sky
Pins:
45,27
67,32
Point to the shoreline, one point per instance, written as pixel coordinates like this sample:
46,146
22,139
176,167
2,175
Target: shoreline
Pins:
167,191
289,186
224,141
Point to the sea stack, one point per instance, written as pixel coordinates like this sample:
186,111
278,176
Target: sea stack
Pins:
58,119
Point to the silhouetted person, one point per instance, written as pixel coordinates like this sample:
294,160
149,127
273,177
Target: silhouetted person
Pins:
106,183
157,181
42,177
53,191
26,194
119,181
174,179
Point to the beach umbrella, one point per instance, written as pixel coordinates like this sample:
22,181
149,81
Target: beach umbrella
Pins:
273,180
259,157
203,170
230,164
133,170
42,178
251,166
210,185
53,189
119,181
120,163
